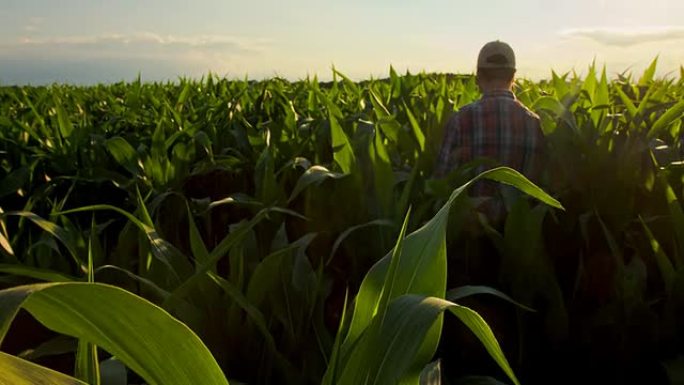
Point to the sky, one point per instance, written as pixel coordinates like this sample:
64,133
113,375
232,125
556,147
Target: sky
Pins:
93,41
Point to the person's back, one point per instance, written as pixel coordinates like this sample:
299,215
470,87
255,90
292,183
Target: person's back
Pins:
496,127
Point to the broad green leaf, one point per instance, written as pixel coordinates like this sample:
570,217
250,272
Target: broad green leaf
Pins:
123,153
385,352
162,350
629,104
415,127
511,177
342,149
63,121
314,175
199,249
237,199
649,73
549,103
334,363
54,230
386,122
380,167
602,92
16,371
556,109
348,82
671,115
646,101
421,272
559,84
183,96
35,273
589,84
391,276
601,100
667,271
454,295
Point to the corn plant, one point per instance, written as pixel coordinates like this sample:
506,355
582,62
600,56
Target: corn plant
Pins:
248,210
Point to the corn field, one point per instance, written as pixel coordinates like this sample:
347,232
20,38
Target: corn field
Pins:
274,232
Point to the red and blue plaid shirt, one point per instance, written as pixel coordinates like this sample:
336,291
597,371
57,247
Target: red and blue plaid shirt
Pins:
496,127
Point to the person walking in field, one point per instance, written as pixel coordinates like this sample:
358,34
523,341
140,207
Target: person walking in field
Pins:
496,127
501,130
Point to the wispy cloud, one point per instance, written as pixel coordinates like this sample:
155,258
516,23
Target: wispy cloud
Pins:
33,58
626,37
145,40
34,24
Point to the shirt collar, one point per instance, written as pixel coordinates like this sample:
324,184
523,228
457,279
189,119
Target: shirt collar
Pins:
499,93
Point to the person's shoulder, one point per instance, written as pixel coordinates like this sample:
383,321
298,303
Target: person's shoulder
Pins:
463,114
460,111
467,108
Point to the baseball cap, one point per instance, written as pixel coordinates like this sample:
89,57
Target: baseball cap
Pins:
496,54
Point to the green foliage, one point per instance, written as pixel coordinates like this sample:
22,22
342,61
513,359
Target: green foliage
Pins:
250,211
22,372
396,321
137,332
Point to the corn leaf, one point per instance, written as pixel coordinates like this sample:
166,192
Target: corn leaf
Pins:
649,73
16,371
667,271
87,362
342,149
123,153
419,268
314,175
35,273
387,349
162,350
670,116
454,295
54,230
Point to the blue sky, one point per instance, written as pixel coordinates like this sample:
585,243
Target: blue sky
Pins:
92,41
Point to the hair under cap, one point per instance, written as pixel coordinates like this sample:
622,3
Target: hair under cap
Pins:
496,54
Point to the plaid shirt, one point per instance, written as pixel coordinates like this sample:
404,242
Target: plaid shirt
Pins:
497,127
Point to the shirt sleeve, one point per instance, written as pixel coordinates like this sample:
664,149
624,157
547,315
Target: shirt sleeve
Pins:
444,162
